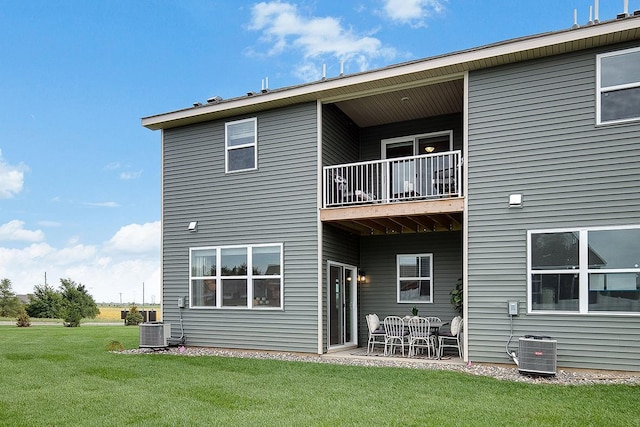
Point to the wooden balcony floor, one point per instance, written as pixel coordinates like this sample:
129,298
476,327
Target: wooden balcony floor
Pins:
401,217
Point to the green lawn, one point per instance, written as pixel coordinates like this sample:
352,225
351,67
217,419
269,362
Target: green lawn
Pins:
57,376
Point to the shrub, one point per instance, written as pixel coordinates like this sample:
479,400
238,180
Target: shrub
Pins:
134,317
457,296
23,320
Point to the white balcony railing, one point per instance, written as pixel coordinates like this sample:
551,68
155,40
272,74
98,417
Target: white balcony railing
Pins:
424,177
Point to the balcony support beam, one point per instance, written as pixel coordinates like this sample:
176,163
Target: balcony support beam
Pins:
383,210
397,218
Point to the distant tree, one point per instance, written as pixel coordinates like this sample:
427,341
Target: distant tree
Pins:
76,303
10,304
44,303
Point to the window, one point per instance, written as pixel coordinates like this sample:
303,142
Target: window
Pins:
585,270
415,284
236,276
241,142
618,80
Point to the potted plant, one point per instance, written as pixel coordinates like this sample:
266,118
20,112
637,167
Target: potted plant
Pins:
414,311
457,297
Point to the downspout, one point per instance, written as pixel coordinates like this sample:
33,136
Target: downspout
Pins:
465,218
162,223
320,193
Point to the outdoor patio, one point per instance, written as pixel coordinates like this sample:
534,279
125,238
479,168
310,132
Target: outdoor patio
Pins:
360,353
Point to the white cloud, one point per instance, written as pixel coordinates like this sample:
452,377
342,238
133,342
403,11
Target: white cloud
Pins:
73,254
412,12
130,175
103,204
14,230
284,28
11,178
136,238
110,271
112,166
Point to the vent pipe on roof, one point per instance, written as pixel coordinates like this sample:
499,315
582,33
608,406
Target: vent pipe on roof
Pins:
590,16
324,71
596,16
625,12
265,85
341,67
575,19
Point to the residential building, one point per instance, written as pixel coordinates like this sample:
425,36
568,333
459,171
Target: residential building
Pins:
289,214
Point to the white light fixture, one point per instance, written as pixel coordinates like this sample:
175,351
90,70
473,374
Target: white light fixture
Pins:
429,149
193,226
515,200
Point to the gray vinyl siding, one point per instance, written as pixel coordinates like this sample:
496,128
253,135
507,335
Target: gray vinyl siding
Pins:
532,131
339,137
378,257
275,204
339,145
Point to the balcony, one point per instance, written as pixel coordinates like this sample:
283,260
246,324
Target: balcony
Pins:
399,195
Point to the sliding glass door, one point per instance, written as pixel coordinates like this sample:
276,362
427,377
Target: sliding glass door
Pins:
342,305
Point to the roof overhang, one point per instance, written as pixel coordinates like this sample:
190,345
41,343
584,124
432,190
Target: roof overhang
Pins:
408,74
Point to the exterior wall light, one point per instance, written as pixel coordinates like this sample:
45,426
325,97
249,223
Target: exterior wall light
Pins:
362,277
515,200
193,226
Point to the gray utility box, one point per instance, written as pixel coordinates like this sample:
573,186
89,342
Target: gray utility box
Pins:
537,355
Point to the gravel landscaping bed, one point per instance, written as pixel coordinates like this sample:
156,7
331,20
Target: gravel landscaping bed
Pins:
562,377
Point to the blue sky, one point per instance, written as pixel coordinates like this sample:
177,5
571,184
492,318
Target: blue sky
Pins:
80,177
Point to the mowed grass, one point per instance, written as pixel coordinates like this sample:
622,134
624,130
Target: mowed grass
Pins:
57,376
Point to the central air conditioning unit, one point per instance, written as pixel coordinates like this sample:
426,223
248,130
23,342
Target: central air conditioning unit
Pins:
154,334
537,355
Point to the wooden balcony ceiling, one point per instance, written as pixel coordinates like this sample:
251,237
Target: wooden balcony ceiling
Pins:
397,218
405,104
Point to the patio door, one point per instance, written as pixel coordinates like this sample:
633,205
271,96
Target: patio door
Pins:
403,173
342,305
413,177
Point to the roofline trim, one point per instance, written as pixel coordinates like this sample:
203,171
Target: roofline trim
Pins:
447,60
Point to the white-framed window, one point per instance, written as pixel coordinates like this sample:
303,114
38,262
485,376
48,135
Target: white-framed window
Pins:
241,145
584,270
236,277
415,278
618,86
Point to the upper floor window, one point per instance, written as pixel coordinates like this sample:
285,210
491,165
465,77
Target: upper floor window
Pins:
618,93
236,276
241,145
415,278
585,270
